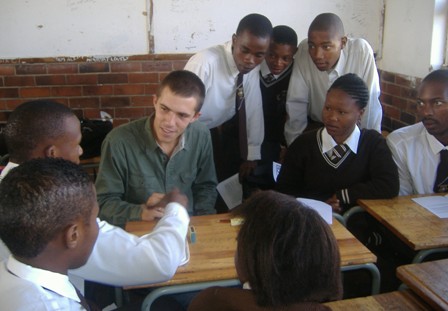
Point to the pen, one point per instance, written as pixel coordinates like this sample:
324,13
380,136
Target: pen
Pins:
192,235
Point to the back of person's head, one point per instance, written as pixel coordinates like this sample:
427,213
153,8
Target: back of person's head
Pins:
256,24
354,86
38,200
287,252
440,76
284,35
31,123
185,84
327,22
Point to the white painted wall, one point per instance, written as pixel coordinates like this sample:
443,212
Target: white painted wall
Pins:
414,36
190,26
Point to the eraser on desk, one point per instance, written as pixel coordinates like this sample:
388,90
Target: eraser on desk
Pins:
192,235
236,221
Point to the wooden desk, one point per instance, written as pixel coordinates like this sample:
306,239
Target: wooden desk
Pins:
398,300
212,256
417,227
428,280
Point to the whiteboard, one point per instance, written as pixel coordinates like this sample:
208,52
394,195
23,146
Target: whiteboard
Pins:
192,25
76,28
51,28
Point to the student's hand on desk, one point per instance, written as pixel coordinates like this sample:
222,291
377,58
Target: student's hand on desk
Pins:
154,207
151,213
334,202
246,169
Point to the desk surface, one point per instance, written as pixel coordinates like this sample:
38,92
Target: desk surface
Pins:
413,224
428,280
403,300
212,256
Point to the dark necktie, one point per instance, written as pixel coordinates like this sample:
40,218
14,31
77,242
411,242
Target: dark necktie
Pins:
89,306
269,78
441,183
240,110
339,152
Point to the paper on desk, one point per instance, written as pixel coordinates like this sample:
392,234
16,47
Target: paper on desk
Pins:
438,205
231,191
324,209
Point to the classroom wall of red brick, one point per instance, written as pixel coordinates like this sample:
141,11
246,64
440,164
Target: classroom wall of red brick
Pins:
124,86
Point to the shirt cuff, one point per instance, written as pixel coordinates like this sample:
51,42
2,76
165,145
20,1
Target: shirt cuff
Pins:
253,152
176,209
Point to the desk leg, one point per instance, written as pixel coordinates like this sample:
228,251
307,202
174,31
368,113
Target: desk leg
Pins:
421,255
184,288
375,273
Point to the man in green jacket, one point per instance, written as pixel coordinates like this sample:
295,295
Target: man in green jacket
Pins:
146,158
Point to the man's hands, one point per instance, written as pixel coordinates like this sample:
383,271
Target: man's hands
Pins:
155,205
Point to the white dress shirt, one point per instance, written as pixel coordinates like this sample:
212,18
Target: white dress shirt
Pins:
121,259
308,86
217,69
328,143
417,154
23,287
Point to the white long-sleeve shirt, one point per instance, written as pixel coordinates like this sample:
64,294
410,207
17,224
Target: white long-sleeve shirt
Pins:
121,259
308,86
24,288
417,155
218,71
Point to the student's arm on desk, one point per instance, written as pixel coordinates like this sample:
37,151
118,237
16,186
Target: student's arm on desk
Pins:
123,259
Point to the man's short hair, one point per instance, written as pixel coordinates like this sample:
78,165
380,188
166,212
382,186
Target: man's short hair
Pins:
287,252
39,199
186,84
354,86
31,123
257,24
440,75
284,35
327,22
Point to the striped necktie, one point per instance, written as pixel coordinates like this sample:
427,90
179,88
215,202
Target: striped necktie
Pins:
240,110
441,183
339,152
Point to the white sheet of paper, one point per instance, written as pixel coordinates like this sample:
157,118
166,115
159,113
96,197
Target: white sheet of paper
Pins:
276,169
231,191
438,205
322,208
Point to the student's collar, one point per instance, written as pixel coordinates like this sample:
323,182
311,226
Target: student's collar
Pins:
435,145
352,141
7,168
55,282
233,69
264,69
339,68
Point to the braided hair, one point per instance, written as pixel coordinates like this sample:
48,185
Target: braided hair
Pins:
354,86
